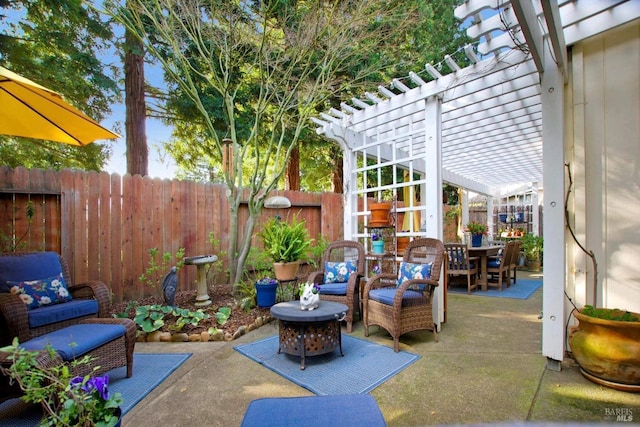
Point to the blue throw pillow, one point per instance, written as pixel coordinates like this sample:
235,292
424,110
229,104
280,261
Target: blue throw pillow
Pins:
338,272
41,293
409,271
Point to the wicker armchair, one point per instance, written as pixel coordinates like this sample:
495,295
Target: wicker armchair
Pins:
14,315
498,266
461,264
406,307
332,288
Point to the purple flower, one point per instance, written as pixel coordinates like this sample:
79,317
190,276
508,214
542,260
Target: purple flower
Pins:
99,384
375,236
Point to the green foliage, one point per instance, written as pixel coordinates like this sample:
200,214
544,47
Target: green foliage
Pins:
155,272
316,251
610,314
125,314
151,317
476,228
285,242
55,44
216,267
9,242
222,315
247,295
187,317
532,246
285,292
67,400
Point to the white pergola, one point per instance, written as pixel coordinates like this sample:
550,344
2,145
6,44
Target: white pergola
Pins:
487,127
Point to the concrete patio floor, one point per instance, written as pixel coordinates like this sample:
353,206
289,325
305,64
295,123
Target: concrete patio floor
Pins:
487,368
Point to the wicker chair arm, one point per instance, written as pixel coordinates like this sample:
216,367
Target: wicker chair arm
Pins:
93,289
15,318
316,277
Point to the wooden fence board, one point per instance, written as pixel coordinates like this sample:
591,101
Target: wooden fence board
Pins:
93,225
103,257
115,231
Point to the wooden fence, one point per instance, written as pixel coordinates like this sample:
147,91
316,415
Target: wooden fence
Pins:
104,225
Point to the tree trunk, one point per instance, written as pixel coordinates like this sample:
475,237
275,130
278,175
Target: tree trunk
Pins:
336,173
292,173
137,152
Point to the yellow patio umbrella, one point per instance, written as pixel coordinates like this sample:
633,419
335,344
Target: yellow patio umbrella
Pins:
33,111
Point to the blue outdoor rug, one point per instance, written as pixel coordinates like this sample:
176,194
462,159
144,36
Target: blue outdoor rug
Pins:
149,370
523,289
365,365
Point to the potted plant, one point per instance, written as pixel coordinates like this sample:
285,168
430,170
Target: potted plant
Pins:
606,345
266,289
477,230
377,243
532,246
380,213
67,399
286,244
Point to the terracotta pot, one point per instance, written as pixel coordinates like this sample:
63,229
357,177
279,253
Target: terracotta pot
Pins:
608,351
379,214
402,244
533,265
286,270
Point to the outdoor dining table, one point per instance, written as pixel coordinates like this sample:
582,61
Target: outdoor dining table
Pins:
483,252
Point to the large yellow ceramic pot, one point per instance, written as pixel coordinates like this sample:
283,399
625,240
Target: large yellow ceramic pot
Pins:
608,351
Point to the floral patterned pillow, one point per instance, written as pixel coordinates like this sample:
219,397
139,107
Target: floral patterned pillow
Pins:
40,293
338,272
409,271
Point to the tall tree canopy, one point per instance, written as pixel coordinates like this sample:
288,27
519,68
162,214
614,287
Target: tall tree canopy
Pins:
435,34
57,44
254,72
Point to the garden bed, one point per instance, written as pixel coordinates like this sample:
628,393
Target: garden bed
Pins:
238,323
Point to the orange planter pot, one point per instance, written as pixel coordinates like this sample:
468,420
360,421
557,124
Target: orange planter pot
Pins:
379,214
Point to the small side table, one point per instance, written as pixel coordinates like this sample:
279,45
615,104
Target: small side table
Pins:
309,333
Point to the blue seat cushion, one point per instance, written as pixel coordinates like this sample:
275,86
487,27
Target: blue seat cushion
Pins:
386,295
333,288
59,312
76,340
472,265
494,263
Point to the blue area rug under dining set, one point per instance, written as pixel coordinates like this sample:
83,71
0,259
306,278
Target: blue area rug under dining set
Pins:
522,289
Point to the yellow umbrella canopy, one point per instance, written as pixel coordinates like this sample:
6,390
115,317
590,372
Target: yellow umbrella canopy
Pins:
33,111
410,201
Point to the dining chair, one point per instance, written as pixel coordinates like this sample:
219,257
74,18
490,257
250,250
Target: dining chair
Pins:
499,266
462,265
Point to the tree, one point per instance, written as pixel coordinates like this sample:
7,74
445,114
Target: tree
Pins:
56,44
137,150
269,64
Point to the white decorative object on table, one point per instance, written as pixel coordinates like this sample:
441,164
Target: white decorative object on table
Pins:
309,296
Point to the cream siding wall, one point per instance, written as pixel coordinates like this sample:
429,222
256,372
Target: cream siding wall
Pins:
603,149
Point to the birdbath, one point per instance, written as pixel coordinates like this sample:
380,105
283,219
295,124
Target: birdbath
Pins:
201,262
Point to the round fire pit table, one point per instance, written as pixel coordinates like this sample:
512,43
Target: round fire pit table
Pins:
309,333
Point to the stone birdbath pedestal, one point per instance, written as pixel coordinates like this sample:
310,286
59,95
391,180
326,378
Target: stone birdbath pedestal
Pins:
201,262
